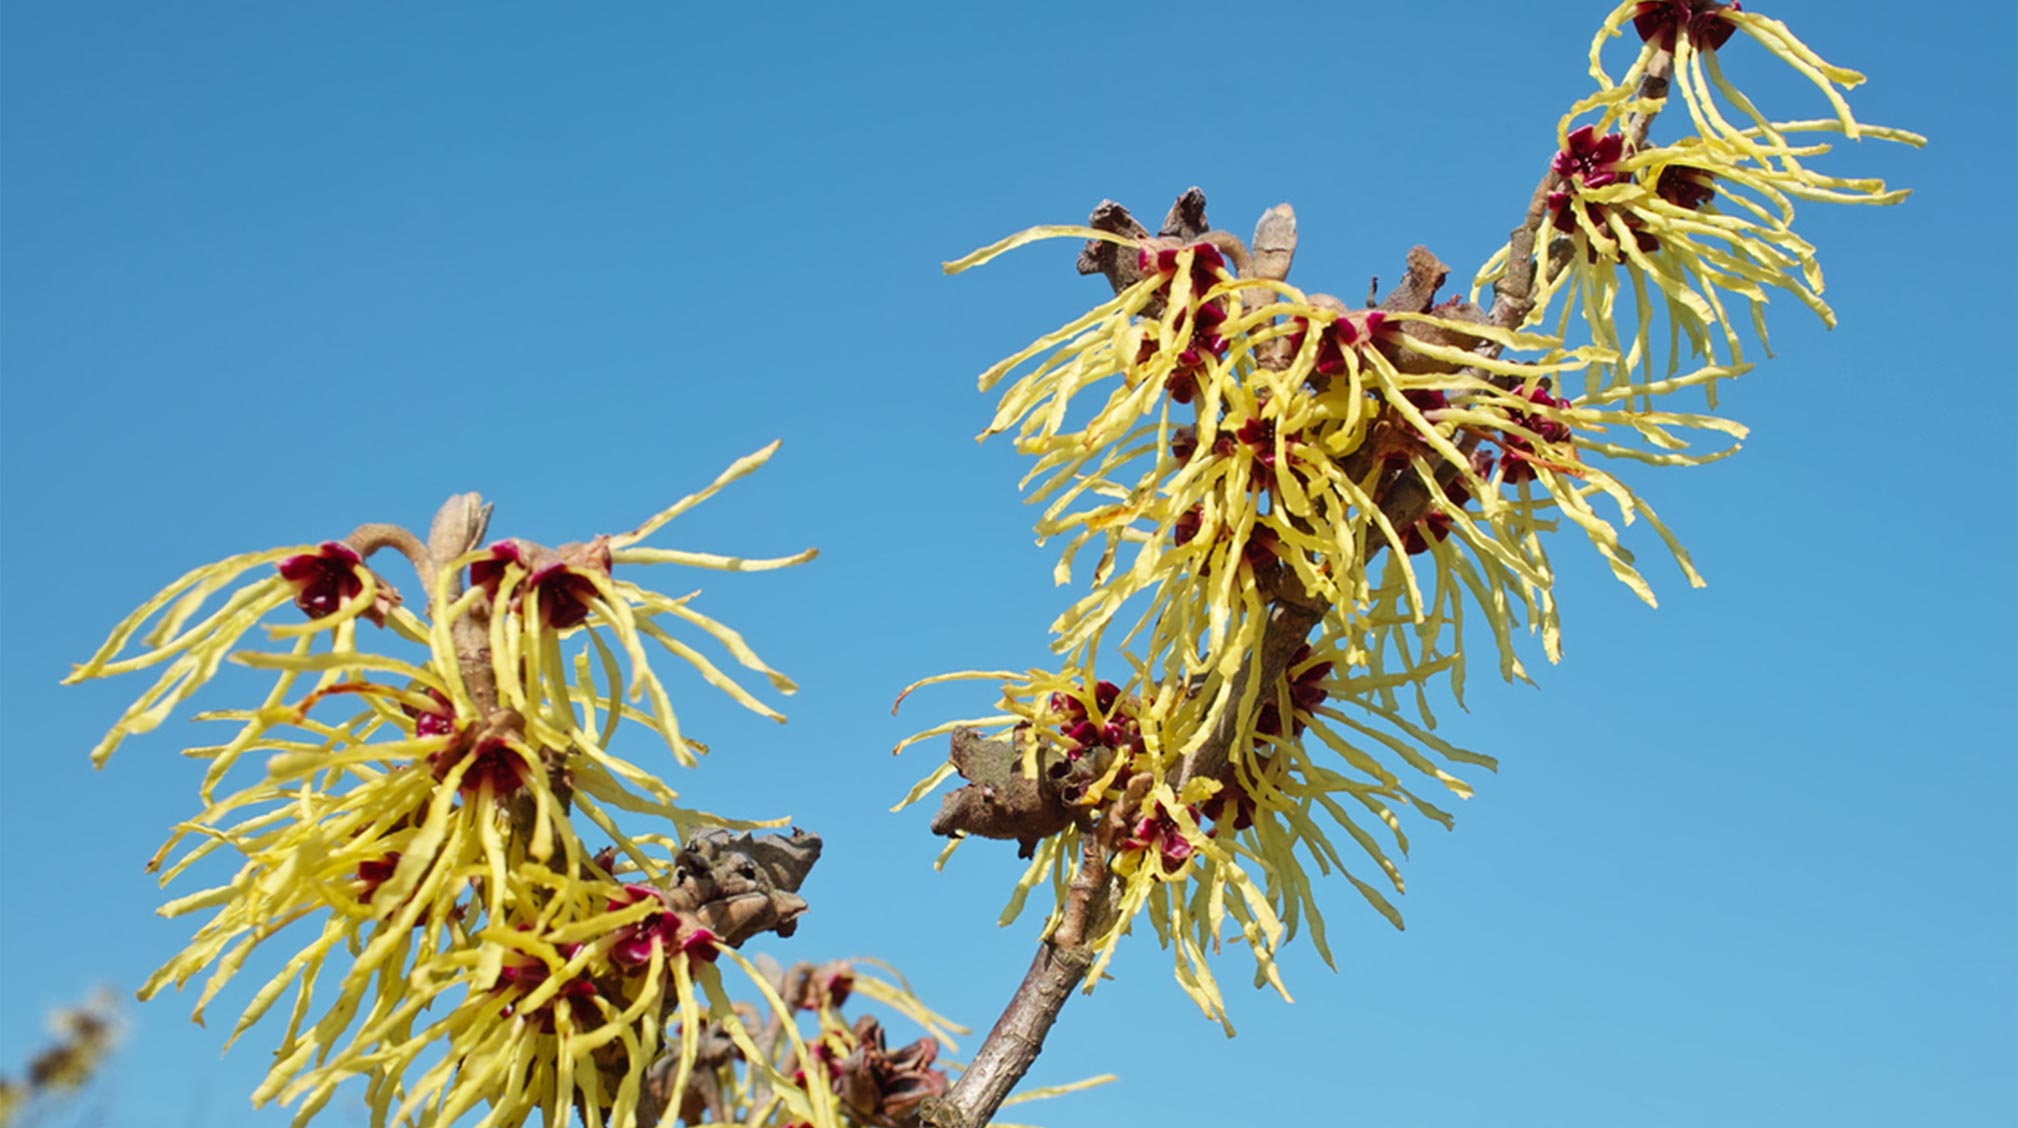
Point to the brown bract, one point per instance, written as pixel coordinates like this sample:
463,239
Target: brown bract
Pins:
740,884
736,885
999,801
884,1087
703,1099
1184,225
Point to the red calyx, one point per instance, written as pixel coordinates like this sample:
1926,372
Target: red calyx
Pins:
1658,21
439,721
324,579
1686,187
492,761
1159,831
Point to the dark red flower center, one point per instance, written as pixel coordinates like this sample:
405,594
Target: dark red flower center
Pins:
1518,453
438,721
1657,21
1198,325
1435,523
1306,693
564,595
325,579
1589,160
1262,548
489,573
564,592
836,986
374,873
524,976
492,761
1160,832
1207,264
1686,187
1258,436
1333,341
631,945
1110,724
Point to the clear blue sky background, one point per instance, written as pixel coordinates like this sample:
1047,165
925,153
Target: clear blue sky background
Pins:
273,270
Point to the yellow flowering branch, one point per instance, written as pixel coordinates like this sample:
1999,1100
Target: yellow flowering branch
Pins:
1240,576
420,815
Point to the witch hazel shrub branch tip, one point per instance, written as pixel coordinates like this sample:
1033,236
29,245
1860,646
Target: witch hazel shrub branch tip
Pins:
1287,520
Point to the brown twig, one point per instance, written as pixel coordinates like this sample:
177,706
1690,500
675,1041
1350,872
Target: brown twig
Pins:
1653,88
367,539
1514,293
458,526
1014,1042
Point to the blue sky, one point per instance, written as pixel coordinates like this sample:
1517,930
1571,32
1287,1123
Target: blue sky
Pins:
271,271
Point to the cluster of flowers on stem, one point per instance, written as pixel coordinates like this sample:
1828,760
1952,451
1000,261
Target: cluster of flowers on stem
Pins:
436,833
1257,455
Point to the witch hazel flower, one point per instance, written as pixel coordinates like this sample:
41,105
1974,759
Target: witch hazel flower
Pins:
436,721
476,759
189,634
1199,325
1660,21
1434,524
832,983
1351,331
488,759
1111,723
1590,161
1397,441
373,873
558,581
1184,444
632,946
325,579
1427,400
661,932
1208,265
1257,434
1334,340
825,1054
1089,738
1231,805
330,578
1306,693
1231,797
1262,547
524,976
490,762
1586,159
1685,186
1518,452
1157,834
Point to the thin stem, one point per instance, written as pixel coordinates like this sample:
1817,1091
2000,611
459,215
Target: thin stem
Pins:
367,539
1014,1042
458,526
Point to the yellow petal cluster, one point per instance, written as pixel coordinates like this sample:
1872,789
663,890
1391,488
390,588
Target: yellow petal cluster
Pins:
410,830
1230,448
1640,257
